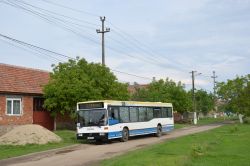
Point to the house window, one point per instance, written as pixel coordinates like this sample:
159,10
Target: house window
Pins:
14,106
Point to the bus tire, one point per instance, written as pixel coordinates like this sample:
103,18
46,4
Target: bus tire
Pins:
159,131
125,135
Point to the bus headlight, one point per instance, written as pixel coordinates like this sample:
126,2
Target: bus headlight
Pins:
102,134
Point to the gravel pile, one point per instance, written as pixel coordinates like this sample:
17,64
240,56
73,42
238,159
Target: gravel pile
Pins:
28,134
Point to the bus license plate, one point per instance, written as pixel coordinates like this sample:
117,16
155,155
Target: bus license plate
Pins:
90,137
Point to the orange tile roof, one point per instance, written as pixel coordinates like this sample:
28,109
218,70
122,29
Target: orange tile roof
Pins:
17,79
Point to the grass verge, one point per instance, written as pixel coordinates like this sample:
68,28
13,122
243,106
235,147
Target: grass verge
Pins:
180,125
202,121
68,138
205,121
227,145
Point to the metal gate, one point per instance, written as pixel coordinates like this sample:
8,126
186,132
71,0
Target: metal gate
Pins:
41,116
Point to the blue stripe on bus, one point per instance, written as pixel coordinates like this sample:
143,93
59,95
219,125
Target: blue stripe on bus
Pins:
142,131
167,128
118,134
115,134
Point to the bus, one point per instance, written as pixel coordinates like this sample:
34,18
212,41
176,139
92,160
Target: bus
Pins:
108,119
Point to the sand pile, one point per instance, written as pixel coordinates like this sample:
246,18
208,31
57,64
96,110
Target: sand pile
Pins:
28,134
5,129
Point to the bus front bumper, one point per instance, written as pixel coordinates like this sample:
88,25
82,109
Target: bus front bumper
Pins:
92,136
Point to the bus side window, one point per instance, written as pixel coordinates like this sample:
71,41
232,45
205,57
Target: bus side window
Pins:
142,114
157,112
113,112
124,114
150,113
169,113
164,112
133,114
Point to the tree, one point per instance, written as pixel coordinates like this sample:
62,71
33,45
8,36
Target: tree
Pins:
77,80
165,91
244,99
204,101
235,93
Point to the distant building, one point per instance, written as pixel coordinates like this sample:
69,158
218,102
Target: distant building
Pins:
132,88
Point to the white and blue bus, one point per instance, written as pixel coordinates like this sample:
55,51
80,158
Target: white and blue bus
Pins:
107,119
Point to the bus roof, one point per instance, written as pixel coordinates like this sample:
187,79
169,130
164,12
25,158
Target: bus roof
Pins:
130,103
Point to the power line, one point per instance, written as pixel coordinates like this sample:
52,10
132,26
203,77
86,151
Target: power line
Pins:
36,52
62,15
56,21
65,25
92,14
33,46
84,13
72,9
136,43
42,50
146,78
45,17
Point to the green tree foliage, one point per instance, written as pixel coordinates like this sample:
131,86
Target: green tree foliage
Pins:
78,80
165,91
244,99
236,94
204,101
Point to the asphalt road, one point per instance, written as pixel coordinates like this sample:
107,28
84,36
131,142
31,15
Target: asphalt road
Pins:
91,154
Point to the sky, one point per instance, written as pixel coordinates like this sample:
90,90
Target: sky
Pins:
147,38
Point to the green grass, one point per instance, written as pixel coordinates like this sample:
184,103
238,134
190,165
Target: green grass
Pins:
201,121
178,125
68,138
205,121
224,146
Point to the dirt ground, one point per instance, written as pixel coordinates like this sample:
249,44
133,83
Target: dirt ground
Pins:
91,154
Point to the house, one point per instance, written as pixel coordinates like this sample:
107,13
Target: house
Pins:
132,88
21,97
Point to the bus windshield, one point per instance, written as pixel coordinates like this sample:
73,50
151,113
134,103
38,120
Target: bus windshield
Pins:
93,117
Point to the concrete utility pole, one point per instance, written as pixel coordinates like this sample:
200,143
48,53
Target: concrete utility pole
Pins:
214,82
102,31
193,95
214,76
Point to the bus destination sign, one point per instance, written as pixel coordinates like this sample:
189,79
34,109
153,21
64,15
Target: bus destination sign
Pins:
90,105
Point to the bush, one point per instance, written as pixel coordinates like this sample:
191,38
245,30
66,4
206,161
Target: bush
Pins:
246,120
198,150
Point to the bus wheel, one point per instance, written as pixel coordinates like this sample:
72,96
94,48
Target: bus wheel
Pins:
125,135
159,131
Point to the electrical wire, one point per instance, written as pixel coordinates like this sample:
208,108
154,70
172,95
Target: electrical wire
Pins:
43,16
123,35
137,44
33,47
30,51
53,20
72,9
